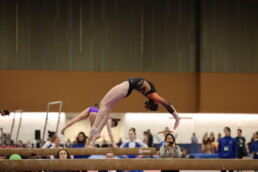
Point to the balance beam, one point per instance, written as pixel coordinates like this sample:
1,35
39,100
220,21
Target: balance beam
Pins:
128,164
79,151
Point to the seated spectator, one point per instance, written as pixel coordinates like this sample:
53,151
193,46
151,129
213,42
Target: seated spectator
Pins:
109,155
63,154
133,142
80,143
164,132
170,150
50,142
255,146
119,142
7,139
185,154
145,137
68,143
56,145
19,144
28,144
150,138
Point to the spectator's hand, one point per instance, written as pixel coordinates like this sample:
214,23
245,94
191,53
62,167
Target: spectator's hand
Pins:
166,144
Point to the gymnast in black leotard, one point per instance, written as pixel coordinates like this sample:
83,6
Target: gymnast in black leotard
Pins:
122,90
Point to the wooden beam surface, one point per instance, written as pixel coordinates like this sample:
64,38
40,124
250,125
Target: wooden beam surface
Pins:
79,151
129,164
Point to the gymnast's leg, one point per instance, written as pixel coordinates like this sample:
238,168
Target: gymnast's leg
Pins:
107,103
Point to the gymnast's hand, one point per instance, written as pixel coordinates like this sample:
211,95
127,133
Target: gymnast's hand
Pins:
177,118
62,131
176,123
114,145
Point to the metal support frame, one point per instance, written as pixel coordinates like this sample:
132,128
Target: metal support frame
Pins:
58,121
13,123
2,135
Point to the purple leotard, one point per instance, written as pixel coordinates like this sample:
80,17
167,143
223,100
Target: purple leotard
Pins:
92,109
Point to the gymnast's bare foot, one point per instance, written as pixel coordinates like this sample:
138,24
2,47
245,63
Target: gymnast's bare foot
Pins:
96,136
87,143
92,133
90,138
91,146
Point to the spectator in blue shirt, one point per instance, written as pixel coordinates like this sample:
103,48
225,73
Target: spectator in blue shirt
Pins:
227,147
133,142
255,147
80,143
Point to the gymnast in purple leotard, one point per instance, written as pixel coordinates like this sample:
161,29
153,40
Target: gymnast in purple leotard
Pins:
91,113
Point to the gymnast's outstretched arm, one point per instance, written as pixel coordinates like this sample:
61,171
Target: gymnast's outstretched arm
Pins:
109,123
84,114
154,96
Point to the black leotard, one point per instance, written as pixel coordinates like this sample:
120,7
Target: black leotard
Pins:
136,83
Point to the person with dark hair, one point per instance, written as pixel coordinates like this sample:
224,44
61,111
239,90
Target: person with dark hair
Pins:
19,144
242,146
150,138
255,146
133,142
212,137
124,89
132,129
170,150
63,154
206,146
4,112
227,147
79,143
164,132
91,113
145,137
50,142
